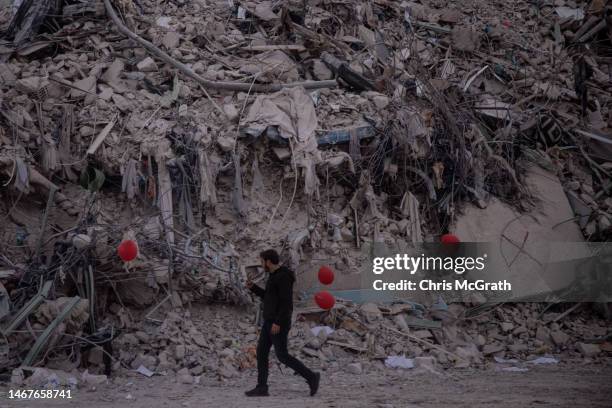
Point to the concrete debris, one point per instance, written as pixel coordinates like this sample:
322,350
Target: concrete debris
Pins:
399,362
147,65
588,350
171,40
321,129
427,364
544,360
354,368
492,349
559,338
144,371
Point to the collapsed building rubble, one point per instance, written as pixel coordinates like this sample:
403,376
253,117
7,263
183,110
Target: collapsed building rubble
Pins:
316,126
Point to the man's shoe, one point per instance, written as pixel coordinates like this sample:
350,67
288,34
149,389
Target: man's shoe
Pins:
259,391
314,384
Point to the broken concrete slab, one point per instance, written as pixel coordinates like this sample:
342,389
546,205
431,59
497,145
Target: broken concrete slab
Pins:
588,350
465,39
171,40
147,65
532,239
489,349
85,86
559,338
114,71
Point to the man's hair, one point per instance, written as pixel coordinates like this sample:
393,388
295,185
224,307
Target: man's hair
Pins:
270,255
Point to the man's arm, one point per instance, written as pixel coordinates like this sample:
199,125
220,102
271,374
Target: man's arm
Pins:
256,289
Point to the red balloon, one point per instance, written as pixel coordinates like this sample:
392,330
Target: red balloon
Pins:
449,239
325,300
128,250
326,275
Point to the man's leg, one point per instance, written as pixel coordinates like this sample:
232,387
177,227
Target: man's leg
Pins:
280,349
263,352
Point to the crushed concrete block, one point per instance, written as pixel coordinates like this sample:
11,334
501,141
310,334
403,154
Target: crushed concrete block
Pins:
381,101
31,84
197,370
588,350
543,334
346,234
354,368
371,310
84,87
231,112
226,143
321,71
465,39
423,334
147,65
400,321
314,343
113,73
142,337
506,327
146,360
451,16
425,362
171,40
559,338
106,94
517,348
129,338
121,102
489,349
281,152
199,339
165,362
186,379
6,74
469,353
91,379
179,352
17,377
310,352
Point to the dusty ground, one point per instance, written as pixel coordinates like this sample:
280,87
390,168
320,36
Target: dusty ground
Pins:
569,385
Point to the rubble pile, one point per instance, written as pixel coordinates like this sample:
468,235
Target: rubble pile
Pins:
351,337
459,336
317,126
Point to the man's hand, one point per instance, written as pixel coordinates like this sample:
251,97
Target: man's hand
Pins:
275,329
249,284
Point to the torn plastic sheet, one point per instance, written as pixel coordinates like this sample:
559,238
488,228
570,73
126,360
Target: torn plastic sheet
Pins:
399,362
568,12
318,329
505,361
144,371
163,21
293,111
544,360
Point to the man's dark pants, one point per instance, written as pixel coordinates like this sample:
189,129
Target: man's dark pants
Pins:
279,341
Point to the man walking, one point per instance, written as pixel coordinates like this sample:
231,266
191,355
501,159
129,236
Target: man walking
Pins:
277,310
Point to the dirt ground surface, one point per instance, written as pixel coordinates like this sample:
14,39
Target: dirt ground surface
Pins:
559,386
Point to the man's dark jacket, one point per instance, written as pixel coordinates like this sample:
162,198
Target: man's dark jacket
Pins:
277,296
